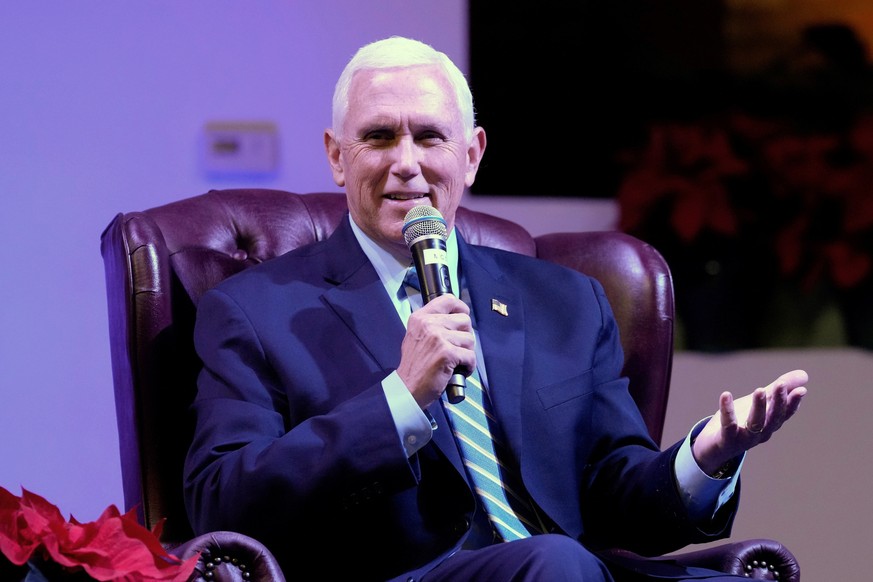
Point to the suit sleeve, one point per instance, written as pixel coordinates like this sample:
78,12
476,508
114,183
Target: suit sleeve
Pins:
632,498
252,469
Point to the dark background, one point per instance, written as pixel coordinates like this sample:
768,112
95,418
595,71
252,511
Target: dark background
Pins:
735,137
561,87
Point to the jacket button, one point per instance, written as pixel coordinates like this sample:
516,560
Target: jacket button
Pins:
461,525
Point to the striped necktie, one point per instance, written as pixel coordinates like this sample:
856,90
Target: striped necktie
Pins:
497,485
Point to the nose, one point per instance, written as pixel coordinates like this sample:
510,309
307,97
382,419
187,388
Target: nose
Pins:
406,158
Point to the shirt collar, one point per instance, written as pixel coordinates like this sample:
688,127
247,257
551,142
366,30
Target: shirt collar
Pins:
392,269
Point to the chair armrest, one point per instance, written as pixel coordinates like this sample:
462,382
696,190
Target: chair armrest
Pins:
758,559
227,556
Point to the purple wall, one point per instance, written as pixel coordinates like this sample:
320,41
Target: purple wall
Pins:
101,108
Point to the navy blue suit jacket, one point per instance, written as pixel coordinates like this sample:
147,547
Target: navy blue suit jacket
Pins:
295,444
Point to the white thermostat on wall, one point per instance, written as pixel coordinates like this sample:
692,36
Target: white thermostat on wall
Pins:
240,148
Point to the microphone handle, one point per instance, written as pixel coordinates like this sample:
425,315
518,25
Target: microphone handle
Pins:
456,388
433,278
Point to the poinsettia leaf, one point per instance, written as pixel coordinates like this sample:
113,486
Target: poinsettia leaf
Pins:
136,552
114,547
848,266
17,539
30,522
688,214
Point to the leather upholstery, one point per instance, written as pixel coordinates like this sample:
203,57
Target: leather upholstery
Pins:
158,263
230,557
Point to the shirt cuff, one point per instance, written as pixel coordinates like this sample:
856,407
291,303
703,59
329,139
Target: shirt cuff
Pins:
703,495
413,426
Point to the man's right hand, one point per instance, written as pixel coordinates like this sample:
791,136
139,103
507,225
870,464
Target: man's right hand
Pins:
439,338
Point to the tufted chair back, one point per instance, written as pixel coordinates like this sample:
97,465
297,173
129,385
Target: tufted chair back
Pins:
160,261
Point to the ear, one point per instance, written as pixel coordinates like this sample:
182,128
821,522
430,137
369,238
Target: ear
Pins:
475,151
332,148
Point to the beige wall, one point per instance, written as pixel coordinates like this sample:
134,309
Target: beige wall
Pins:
808,487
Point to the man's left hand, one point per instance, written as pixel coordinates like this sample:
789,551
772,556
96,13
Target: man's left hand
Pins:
749,421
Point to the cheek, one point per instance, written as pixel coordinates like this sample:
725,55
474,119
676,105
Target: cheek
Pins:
452,175
364,167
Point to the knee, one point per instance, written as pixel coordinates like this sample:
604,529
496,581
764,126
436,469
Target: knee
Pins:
557,557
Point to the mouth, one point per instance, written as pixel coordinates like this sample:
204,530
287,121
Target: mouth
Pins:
406,196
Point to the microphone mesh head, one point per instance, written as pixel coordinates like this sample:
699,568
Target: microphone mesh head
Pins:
423,221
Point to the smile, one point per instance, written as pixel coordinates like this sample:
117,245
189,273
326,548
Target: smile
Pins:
410,196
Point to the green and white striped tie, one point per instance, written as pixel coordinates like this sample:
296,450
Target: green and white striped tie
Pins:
497,485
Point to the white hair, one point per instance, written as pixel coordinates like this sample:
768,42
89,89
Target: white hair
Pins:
394,52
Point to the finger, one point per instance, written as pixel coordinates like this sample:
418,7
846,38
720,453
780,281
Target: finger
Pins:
446,304
459,322
726,410
464,339
791,380
795,397
777,407
757,417
784,398
466,362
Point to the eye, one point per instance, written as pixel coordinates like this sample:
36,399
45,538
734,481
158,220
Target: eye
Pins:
430,137
379,136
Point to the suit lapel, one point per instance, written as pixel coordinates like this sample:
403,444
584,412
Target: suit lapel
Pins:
499,314
445,440
358,298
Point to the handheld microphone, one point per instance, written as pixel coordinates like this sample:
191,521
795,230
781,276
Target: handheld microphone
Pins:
425,233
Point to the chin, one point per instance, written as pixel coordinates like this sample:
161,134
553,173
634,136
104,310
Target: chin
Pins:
393,233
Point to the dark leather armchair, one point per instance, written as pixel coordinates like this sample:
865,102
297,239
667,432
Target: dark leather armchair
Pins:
160,261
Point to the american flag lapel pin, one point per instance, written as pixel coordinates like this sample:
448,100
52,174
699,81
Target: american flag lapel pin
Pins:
499,307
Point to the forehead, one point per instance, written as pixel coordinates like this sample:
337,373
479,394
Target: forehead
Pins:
421,91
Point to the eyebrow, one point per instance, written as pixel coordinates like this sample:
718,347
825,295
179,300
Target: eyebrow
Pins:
416,127
377,126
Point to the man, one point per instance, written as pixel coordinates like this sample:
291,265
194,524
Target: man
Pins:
322,429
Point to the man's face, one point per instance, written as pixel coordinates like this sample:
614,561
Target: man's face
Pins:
402,145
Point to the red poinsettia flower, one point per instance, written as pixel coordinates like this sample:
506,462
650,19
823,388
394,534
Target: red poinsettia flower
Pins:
688,164
114,547
829,236
709,176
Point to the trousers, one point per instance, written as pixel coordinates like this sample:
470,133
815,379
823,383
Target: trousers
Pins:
558,558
